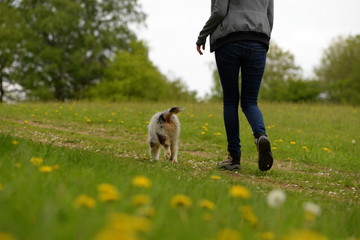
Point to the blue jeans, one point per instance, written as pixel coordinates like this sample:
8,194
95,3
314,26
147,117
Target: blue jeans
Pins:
250,58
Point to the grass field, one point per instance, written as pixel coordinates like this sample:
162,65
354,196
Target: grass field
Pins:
82,171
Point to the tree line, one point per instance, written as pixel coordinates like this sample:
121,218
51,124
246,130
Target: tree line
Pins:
77,49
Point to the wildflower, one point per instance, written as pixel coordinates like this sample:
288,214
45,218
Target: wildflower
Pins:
274,148
36,161
180,200
15,142
238,191
7,236
84,201
305,148
228,234
26,121
146,211
217,134
214,177
141,199
17,165
305,234
249,215
203,133
45,169
141,181
326,149
207,204
311,211
108,193
267,236
123,226
279,141
289,159
276,197
293,142
353,141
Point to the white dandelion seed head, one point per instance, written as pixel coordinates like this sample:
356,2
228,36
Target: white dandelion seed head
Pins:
276,197
353,141
312,207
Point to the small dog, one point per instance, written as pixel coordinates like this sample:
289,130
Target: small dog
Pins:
164,130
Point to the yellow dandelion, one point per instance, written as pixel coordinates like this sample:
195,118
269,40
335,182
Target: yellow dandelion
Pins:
248,214
45,169
217,134
326,149
141,181
203,133
228,234
279,141
7,236
305,234
215,177
108,192
15,142
305,148
17,165
267,236
289,159
84,201
274,148
26,121
180,200
207,204
36,161
140,200
238,191
293,142
123,226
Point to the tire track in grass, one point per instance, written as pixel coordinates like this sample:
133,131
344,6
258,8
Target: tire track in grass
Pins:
296,185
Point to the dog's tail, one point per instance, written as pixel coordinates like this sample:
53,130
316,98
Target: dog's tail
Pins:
170,112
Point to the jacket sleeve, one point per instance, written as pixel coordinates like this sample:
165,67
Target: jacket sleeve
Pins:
270,13
219,11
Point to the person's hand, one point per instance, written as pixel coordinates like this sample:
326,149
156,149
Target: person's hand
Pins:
198,48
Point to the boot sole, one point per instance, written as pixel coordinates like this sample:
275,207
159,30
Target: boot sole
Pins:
231,167
265,155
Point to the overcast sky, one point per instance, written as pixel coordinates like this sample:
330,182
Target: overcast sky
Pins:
305,28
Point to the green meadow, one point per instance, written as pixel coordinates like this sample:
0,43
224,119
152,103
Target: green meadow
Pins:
81,170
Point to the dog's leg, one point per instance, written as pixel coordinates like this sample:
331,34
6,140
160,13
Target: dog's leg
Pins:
167,152
174,151
154,151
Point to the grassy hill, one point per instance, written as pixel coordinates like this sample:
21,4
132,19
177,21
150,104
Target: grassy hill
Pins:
82,171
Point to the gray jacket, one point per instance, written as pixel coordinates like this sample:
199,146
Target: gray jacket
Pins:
228,16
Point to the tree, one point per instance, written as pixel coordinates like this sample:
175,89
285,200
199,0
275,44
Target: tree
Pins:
339,71
11,33
132,76
71,42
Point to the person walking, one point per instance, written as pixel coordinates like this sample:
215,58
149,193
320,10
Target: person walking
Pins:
240,32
